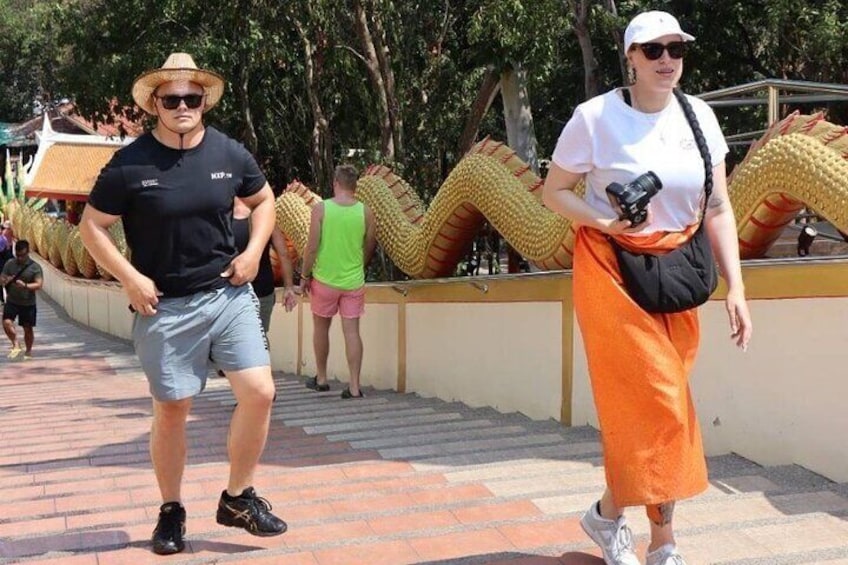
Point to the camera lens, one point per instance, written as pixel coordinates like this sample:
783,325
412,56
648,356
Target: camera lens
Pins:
648,183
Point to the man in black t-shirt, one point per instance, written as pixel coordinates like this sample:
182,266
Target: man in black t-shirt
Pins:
173,188
21,277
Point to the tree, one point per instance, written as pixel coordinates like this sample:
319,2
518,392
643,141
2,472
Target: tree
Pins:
29,58
580,11
314,52
377,58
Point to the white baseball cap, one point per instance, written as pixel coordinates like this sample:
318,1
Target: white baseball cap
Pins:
648,26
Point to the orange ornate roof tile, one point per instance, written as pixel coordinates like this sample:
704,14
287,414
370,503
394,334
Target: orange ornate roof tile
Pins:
68,170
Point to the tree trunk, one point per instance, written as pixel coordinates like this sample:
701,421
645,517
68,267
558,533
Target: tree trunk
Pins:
518,115
251,141
321,143
385,61
520,133
618,37
387,145
580,11
488,90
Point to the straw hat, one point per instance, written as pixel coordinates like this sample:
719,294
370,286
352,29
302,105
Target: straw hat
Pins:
178,66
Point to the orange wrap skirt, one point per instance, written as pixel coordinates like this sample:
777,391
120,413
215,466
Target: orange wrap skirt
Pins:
639,365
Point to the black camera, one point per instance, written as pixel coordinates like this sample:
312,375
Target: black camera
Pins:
632,198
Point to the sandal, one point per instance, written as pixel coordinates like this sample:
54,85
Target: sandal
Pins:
347,394
312,384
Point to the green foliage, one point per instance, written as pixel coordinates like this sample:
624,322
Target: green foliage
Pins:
29,57
92,50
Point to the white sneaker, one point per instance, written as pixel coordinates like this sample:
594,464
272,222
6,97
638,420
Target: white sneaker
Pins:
612,536
666,555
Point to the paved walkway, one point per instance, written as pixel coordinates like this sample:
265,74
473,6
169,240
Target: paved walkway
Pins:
392,479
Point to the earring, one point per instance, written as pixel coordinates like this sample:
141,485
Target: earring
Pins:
631,75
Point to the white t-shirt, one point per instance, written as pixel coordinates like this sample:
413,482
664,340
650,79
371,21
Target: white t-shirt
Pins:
612,142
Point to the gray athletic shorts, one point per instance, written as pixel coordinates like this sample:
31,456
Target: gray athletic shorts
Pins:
179,344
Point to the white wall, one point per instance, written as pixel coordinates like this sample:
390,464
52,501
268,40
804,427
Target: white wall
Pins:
283,337
784,400
507,356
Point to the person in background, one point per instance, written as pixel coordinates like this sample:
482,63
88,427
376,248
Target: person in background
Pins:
21,278
341,242
263,284
6,253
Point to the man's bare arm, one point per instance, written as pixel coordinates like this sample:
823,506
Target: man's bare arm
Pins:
141,291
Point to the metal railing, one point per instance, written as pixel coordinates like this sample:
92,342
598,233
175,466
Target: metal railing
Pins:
816,92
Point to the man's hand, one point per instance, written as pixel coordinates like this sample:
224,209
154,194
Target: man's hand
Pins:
20,284
304,285
289,299
142,294
242,269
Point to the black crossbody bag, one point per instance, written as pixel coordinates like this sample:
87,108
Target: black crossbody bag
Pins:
685,277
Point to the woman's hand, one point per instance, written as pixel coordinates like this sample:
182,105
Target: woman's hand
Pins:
740,318
623,227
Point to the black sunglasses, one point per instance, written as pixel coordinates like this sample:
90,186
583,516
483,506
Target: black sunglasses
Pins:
172,101
654,51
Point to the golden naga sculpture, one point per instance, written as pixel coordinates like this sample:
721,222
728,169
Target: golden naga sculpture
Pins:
801,161
489,182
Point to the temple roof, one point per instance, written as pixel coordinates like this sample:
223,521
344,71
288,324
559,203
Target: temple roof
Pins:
64,119
68,170
66,165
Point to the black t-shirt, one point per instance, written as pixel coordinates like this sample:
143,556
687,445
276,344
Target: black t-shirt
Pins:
177,207
263,284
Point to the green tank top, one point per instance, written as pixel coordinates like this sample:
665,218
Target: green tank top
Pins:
340,261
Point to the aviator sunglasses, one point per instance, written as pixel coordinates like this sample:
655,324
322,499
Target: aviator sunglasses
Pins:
172,101
654,51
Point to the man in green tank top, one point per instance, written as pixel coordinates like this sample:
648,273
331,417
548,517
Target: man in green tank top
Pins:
342,238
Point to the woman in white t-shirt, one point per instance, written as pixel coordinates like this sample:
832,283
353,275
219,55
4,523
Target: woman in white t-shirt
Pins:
639,363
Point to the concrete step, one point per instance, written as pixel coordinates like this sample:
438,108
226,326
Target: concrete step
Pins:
391,479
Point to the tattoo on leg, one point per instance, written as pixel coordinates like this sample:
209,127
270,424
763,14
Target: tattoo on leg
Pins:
661,514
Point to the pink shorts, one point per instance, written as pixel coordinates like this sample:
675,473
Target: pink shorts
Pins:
326,301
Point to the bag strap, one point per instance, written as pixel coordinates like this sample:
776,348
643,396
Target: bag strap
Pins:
17,275
701,142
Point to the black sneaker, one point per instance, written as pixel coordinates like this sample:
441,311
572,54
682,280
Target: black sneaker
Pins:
312,383
251,512
170,529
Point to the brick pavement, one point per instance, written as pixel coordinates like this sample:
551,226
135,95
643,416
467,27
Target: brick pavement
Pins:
392,479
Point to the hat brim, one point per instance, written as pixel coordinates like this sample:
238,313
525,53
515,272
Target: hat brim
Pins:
642,39
146,83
